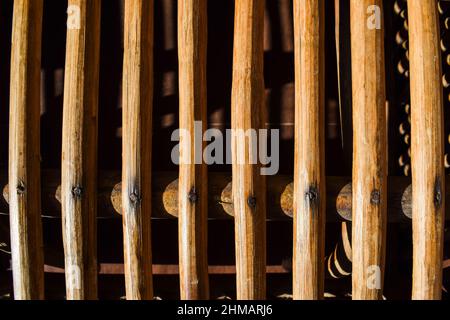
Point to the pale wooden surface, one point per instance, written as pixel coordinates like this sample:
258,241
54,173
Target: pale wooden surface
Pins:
137,143
24,151
309,165
79,153
247,111
192,181
369,152
427,149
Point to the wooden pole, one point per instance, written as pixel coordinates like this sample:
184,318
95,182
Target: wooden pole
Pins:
137,137
24,151
369,149
247,108
309,166
79,149
192,182
427,150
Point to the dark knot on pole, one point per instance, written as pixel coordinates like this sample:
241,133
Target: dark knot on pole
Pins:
437,193
312,195
251,201
21,188
193,196
77,192
135,198
375,197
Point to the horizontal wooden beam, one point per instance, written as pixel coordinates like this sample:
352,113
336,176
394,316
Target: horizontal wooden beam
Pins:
169,269
279,196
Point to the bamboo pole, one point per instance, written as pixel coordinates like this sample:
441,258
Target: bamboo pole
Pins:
137,136
79,149
309,168
427,149
369,149
24,151
247,109
192,182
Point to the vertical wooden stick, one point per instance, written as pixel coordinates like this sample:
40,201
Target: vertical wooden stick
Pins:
247,109
137,144
192,183
369,149
427,151
79,149
24,151
309,176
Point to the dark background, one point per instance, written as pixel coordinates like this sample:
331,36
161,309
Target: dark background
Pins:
279,80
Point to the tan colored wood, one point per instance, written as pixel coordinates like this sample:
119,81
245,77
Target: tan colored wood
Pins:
79,151
247,112
309,165
427,149
24,151
369,149
192,182
137,144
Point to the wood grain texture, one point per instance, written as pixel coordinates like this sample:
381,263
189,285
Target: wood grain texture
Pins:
79,152
137,144
192,181
247,112
369,150
24,151
427,149
309,163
